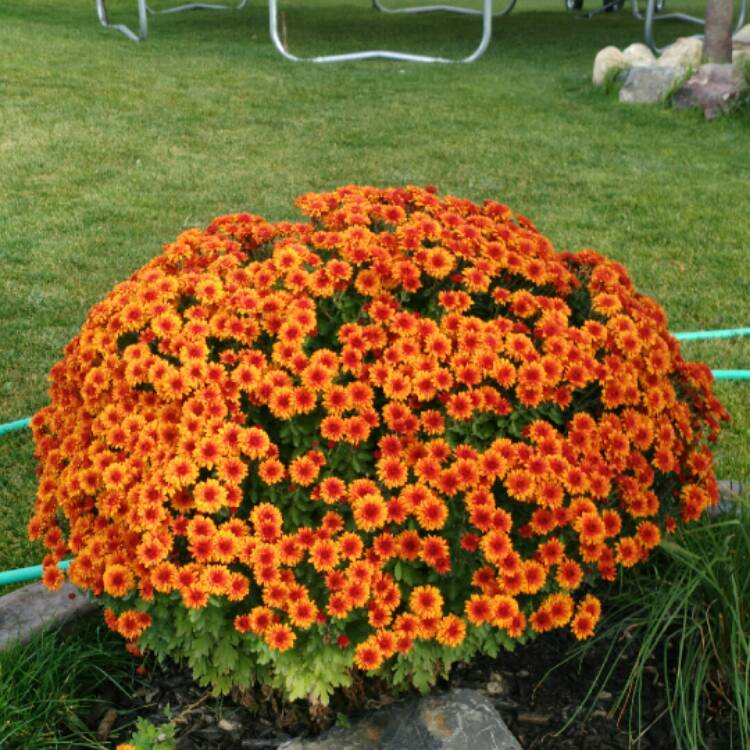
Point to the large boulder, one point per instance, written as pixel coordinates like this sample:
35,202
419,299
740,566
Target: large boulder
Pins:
606,60
713,88
458,720
638,54
649,85
685,52
743,35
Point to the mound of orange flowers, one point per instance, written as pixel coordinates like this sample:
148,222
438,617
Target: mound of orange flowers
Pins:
406,418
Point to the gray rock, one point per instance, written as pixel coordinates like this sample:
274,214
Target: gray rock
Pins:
638,54
607,59
731,494
497,685
26,611
686,52
648,85
458,720
713,88
226,725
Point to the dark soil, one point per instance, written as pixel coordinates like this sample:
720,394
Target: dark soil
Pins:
535,703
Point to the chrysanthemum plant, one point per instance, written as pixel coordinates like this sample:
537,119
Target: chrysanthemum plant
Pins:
399,434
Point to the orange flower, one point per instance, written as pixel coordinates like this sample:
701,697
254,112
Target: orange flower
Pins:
209,496
370,512
432,514
582,626
451,631
52,577
534,575
118,580
260,619
279,637
648,534
216,579
255,442
324,555
569,574
591,528
434,550
131,624
409,545
302,613
504,609
164,577
332,490
368,655
267,520
560,608
303,471
238,587
271,471
194,597
391,472
479,609
426,601
628,551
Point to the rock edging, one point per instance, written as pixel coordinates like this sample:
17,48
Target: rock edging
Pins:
33,608
646,79
460,719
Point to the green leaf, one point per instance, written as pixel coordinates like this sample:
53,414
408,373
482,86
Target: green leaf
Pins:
200,646
225,655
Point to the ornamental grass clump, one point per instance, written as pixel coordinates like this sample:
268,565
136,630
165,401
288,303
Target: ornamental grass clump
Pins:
393,436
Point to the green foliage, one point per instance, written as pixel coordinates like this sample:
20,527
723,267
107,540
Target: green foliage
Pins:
151,737
613,80
695,622
49,685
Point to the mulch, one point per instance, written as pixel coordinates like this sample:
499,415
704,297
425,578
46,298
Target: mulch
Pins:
535,703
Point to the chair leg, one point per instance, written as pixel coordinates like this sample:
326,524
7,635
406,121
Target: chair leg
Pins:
447,8
196,6
144,10
273,22
101,10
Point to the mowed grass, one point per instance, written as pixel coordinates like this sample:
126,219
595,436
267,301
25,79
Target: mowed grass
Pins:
109,149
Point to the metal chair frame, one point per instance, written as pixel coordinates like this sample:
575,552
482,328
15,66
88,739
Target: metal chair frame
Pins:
447,8
144,11
486,14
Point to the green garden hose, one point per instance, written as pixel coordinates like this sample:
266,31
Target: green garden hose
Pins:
19,575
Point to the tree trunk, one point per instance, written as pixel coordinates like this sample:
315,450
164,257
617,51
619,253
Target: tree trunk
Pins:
717,41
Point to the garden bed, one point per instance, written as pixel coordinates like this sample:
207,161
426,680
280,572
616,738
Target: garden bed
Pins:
534,702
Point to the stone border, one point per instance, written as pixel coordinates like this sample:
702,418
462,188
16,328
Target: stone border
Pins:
33,608
677,75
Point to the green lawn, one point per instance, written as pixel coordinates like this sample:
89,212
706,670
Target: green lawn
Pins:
110,148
